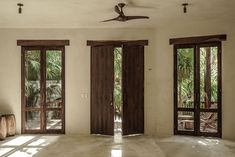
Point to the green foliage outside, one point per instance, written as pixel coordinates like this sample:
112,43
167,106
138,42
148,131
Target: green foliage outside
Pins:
118,80
185,65
214,73
32,78
185,77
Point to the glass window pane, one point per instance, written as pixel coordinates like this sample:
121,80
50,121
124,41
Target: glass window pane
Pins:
185,121
53,79
208,77
208,122
185,80
54,120
32,120
32,78
214,77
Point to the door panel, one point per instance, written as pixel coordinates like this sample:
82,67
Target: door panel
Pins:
185,89
32,79
133,90
185,121
185,77
208,122
208,77
102,84
54,109
53,120
32,120
31,87
53,79
210,90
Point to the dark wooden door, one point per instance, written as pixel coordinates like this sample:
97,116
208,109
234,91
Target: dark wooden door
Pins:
133,89
102,84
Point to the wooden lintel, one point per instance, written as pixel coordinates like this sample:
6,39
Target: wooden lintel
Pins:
116,42
198,39
42,42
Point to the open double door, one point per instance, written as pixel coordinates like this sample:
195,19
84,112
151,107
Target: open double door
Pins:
102,87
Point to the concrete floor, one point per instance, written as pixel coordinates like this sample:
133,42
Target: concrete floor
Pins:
96,146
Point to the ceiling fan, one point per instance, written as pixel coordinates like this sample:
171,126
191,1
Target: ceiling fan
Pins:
122,17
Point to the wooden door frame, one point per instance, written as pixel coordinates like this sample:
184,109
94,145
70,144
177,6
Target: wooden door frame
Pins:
42,88
196,109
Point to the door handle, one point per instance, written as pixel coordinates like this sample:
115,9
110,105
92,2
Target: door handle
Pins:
197,104
111,103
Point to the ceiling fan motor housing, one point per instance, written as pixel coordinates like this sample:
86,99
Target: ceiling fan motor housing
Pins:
122,17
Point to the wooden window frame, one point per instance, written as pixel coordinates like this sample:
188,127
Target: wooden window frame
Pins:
198,39
43,46
196,110
43,43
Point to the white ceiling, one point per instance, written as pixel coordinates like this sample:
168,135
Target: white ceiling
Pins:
88,13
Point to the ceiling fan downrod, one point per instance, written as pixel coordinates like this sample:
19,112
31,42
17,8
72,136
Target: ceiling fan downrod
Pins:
185,7
20,5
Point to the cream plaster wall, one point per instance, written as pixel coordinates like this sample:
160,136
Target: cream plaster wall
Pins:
77,73
158,72
162,73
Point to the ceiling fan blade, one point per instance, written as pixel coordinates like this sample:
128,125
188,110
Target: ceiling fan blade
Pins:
117,10
136,17
132,4
141,7
114,19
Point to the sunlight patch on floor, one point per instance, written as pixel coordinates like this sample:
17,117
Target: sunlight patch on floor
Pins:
116,153
5,150
39,142
25,146
25,152
203,143
214,141
18,141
